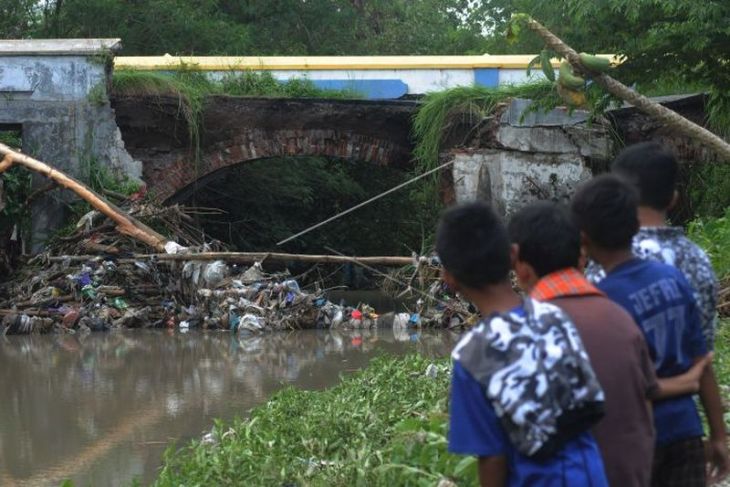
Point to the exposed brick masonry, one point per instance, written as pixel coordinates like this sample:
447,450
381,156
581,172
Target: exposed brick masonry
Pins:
236,130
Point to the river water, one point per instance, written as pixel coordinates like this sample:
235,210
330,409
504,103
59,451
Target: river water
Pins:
101,409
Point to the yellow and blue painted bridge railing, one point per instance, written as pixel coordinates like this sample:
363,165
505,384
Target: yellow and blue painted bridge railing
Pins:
374,77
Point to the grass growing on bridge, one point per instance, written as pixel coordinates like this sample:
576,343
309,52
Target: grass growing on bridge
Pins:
442,110
192,86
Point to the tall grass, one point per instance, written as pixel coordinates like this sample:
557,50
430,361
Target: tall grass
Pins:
384,426
713,235
191,86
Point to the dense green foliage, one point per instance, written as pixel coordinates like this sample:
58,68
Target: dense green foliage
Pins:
259,27
713,235
383,426
675,43
269,200
672,39
709,188
15,185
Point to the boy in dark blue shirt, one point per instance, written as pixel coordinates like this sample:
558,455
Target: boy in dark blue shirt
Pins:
662,303
523,393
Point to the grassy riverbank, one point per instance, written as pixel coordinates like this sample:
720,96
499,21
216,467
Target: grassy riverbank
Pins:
385,425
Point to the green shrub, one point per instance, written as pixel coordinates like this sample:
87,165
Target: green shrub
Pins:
713,235
383,426
709,189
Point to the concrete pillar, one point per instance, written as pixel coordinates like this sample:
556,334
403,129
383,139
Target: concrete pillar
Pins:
57,90
530,156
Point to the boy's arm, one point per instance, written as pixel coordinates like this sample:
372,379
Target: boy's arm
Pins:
474,428
492,471
717,455
687,383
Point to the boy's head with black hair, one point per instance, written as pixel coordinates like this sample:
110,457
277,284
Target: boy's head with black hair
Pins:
473,246
545,240
604,209
653,169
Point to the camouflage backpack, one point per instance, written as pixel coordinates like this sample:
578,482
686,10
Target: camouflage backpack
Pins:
536,374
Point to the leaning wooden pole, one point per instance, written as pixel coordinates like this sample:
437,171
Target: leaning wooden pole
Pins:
126,224
620,90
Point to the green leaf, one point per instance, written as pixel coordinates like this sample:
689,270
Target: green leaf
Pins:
547,66
513,32
535,61
465,464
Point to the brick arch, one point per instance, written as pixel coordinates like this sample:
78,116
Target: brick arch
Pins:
177,174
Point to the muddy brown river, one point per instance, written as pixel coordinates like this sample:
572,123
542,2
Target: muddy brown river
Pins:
101,409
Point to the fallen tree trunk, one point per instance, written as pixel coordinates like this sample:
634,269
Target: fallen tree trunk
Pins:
249,258
620,90
126,224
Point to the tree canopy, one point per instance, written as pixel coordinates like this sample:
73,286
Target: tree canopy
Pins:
676,45
254,27
682,41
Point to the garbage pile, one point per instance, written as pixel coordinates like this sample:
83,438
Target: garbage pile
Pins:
252,301
92,279
439,307
93,295
105,292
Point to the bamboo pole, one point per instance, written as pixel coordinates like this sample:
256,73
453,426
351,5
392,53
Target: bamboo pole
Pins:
126,224
620,90
249,258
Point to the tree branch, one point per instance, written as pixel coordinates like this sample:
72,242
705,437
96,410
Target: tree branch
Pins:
126,224
618,89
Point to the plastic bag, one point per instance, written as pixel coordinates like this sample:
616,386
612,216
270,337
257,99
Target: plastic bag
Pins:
215,272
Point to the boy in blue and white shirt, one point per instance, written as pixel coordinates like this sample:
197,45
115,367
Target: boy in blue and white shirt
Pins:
653,170
662,303
523,393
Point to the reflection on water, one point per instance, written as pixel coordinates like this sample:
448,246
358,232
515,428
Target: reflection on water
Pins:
101,409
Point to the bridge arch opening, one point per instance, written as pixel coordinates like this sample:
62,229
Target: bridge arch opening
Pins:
263,201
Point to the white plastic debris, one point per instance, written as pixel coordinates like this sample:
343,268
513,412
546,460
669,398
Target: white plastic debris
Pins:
432,371
173,247
215,272
400,321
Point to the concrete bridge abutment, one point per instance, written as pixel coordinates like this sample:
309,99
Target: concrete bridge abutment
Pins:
55,92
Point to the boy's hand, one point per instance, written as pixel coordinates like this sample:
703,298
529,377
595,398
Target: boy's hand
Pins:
718,461
687,383
695,372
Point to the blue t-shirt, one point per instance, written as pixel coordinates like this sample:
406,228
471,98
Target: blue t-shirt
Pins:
662,303
474,429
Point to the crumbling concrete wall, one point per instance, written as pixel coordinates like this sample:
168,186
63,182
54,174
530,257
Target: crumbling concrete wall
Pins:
523,156
56,91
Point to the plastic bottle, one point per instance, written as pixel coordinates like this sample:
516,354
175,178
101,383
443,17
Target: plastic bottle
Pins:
292,285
